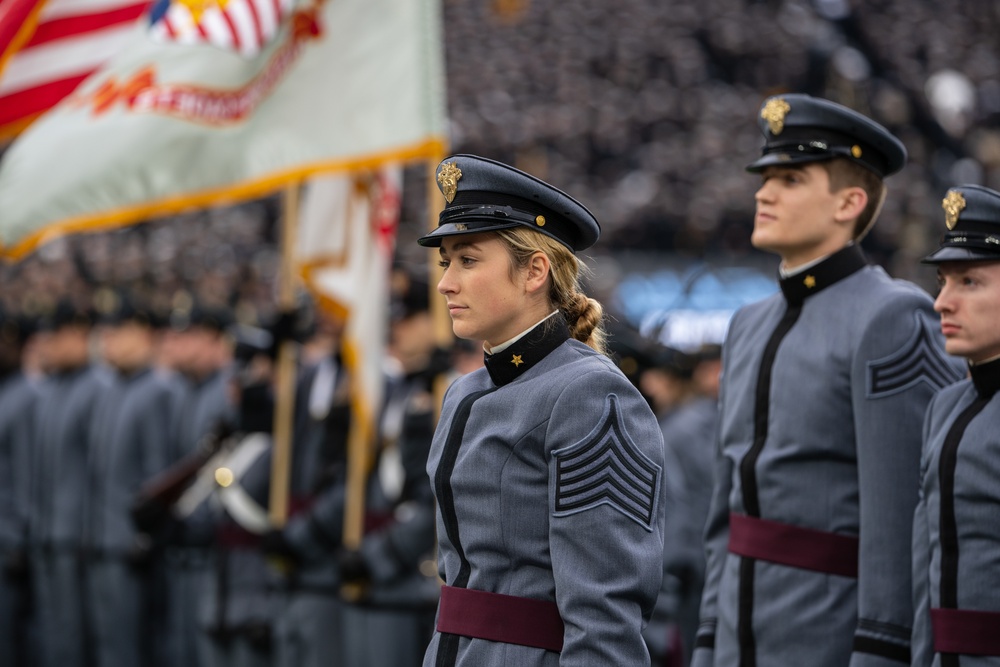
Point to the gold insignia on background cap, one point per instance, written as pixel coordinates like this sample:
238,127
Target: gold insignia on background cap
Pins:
952,205
448,179
856,151
540,220
774,113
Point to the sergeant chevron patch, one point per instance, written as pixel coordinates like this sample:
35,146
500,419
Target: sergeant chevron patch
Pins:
606,468
919,360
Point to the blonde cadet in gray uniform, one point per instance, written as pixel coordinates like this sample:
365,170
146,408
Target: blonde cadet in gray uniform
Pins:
956,532
546,464
824,387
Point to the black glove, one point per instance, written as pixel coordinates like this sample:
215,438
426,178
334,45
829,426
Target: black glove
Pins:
150,515
140,554
353,567
275,544
15,566
258,634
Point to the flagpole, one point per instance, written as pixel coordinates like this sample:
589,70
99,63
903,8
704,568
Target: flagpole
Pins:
357,447
285,373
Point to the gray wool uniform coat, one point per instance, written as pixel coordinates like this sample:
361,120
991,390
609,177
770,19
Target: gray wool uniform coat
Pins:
824,388
547,470
62,419
956,534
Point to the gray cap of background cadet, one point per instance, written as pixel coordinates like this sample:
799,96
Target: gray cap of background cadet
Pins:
972,217
484,195
799,128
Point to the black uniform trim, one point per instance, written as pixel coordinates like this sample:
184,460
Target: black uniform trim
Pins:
883,649
796,289
607,469
918,361
986,377
748,482
447,653
505,367
949,526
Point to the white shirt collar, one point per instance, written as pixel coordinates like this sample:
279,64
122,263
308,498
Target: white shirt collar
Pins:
507,343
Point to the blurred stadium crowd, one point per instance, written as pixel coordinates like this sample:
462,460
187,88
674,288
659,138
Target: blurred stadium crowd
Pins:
644,109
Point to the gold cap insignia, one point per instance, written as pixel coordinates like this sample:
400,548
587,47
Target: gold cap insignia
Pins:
952,205
448,179
461,227
856,151
774,113
540,220
516,360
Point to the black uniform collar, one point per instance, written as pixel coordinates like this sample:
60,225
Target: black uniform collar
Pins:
505,367
837,266
986,377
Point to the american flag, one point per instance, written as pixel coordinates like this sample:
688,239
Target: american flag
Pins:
243,26
48,47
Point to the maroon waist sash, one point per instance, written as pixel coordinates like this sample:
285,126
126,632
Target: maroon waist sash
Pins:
500,618
785,544
966,632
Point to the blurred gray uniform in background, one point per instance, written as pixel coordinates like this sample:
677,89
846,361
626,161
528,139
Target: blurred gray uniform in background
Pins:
129,443
63,418
202,407
235,611
689,436
18,394
308,606
393,622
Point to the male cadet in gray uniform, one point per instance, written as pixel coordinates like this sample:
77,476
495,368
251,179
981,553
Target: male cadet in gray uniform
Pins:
308,606
17,397
63,417
956,533
824,386
129,443
202,359
689,435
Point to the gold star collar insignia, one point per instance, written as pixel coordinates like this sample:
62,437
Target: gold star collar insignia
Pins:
774,113
953,204
810,281
516,360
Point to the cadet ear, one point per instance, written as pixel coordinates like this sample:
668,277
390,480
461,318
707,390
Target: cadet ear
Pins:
537,273
853,201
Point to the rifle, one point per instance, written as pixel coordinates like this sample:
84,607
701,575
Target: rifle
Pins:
155,498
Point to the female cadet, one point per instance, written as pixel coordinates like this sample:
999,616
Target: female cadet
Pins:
956,533
546,463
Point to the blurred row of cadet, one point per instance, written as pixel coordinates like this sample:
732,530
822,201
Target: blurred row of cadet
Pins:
133,517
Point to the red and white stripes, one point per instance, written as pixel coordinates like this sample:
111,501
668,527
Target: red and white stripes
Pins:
244,26
48,48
